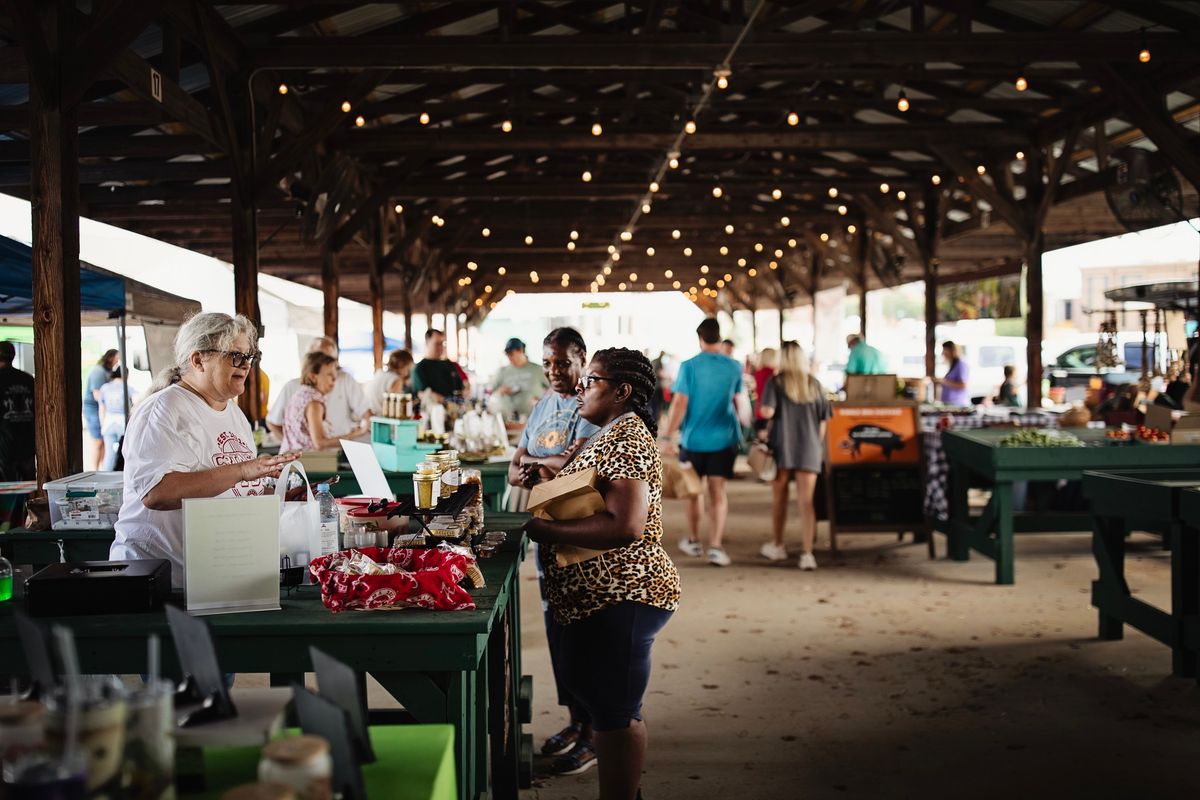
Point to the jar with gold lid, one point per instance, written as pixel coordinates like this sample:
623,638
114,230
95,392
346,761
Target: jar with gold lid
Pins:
301,762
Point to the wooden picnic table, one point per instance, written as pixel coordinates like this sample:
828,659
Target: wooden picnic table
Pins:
1148,500
457,667
976,458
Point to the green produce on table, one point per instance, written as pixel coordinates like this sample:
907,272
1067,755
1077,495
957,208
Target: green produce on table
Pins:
1030,437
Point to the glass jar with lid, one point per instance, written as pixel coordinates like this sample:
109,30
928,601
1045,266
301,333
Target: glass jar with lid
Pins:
427,484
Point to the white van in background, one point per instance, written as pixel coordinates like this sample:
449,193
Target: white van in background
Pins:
986,358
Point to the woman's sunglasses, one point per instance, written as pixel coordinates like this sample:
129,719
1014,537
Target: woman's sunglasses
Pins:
238,360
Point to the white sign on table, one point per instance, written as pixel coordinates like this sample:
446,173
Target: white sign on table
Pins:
365,465
231,554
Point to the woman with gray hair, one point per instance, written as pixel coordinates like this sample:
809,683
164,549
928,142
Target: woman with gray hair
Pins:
189,439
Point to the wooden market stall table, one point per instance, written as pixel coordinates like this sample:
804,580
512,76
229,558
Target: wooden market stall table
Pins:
413,762
494,474
976,457
456,667
1148,500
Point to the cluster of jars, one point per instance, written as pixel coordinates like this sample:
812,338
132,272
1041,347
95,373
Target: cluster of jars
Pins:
398,406
436,478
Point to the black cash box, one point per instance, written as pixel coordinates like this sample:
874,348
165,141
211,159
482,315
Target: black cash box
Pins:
99,587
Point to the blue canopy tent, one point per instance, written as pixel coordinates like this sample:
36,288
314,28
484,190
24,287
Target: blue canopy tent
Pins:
105,298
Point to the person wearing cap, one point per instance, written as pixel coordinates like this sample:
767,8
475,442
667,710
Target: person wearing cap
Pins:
520,383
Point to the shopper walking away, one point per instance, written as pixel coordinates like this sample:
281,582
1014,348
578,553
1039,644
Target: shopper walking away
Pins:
954,384
98,375
612,605
795,406
112,417
702,406
767,362
554,432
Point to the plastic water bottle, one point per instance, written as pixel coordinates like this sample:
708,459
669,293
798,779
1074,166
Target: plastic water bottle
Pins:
328,520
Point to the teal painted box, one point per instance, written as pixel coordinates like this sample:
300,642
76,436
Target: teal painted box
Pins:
396,446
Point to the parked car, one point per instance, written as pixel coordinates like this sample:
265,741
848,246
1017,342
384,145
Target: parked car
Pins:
1074,368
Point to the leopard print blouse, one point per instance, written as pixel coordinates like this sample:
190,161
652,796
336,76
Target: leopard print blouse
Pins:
642,571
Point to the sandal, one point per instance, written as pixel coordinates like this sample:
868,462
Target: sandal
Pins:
562,741
581,758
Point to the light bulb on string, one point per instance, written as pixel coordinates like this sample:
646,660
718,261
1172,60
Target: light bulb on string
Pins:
689,127
346,106
1021,83
673,163
1020,155
645,208
717,191
597,129
687,251
506,126
653,186
586,177
724,250
793,119
501,271
981,169
842,210
776,194
1144,53
675,234
399,208
626,236
528,240
283,88
884,188
359,121
901,195
424,118
833,192
902,103
486,232
729,230
785,221
571,246
650,251
936,180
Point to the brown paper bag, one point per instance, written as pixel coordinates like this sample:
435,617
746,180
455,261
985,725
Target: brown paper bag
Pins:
566,497
679,480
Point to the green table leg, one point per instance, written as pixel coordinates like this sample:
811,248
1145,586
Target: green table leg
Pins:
1110,589
1002,499
958,534
1185,600
483,730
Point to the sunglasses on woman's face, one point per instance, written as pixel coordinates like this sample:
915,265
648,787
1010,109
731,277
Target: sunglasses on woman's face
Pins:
238,360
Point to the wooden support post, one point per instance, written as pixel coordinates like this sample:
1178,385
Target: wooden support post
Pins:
375,282
244,235
408,319
329,289
1035,321
929,236
54,196
931,313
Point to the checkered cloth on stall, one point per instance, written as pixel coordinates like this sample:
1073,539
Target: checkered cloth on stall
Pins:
937,505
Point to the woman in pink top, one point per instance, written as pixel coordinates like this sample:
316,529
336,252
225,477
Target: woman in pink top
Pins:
304,423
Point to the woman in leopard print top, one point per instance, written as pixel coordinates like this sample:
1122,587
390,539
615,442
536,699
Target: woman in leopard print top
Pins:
611,606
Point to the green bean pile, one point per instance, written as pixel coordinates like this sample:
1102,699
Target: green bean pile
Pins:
1030,437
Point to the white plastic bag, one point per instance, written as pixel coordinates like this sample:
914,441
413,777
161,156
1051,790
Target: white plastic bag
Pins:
299,521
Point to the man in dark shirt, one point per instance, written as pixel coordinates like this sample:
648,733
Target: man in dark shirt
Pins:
435,373
16,419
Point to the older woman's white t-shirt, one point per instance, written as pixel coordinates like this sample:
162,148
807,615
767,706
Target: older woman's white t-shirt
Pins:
175,431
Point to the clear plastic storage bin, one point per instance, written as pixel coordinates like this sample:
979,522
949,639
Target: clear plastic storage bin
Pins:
87,500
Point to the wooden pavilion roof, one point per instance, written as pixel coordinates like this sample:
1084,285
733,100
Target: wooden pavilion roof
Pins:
811,106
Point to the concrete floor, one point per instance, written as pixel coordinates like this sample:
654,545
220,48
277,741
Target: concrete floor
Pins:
885,674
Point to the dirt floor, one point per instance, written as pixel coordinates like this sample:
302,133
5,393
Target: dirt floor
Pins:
886,674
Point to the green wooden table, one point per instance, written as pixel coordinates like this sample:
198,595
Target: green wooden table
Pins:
460,667
495,482
413,762
1147,500
975,457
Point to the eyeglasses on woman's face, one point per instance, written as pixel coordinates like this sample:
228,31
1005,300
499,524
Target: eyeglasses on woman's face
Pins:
586,381
238,360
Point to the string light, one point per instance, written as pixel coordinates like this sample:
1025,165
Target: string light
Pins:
574,236
471,265
506,126
773,265
645,208
902,102
981,169
612,248
843,210
722,75
669,274
792,243
345,106
359,121
703,281
720,284
704,269
793,119
424,118
936,180
752,272
776,194
901,195
728,277
283,88
487,289
851,229
653,186
533,277
571,247
741,262
687,251
824,237
586,176
724,250
673,163
486,232
1144,53
729,230
675,234
689,127
650,287
676,284
626,236
633,277
650,252
616,256
717,191
883,187
1020,155
779,254
1021,83
528,240
785,221
833,192
621,286
758,247
399,208
597,129
501,271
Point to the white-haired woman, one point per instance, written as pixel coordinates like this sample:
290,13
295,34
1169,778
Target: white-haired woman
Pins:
188,439
797,410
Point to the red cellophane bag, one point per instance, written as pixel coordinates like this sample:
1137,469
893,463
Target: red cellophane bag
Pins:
426,579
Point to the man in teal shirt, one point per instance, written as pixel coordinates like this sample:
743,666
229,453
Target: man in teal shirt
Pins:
864,359
703,407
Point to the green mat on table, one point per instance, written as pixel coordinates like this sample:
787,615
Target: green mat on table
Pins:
413,762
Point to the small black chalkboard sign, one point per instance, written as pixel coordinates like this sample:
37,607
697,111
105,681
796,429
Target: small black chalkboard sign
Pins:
342,685
322,717
204,681
889,497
